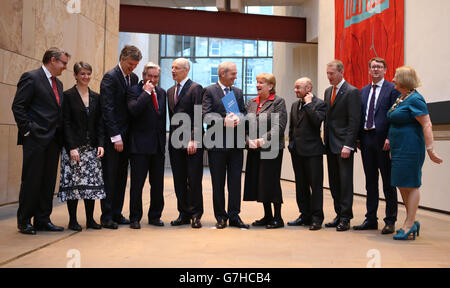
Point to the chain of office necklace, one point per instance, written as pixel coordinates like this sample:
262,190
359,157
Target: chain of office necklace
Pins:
401,99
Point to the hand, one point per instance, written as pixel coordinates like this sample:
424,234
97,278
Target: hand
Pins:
434,157
252,144
74,155
192,147
345,153
100,152
231,120
308,98
118,146
149,87
387,145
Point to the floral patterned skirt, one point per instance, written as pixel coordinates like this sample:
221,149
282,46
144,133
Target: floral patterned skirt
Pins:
82,180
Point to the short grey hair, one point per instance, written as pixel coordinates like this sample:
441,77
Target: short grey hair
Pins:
184,62
132,52
224,67
151,65
338,64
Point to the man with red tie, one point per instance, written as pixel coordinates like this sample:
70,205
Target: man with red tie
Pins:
147,107
37,111
377,98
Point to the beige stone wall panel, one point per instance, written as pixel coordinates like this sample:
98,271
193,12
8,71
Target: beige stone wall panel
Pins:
11,25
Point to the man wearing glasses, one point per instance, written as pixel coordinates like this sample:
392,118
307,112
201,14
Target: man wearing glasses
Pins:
377,98
37,111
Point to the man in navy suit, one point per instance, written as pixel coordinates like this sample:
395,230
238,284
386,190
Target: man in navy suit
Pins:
186,154
147,106
225,158
37,111
113,92
377,98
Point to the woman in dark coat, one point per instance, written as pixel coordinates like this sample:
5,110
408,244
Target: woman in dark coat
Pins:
265,150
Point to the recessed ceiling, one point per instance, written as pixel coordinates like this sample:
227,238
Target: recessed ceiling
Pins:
207,3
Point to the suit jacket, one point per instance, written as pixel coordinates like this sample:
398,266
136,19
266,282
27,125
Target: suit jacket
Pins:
190,95
147,126
386,99
35,108
278,105
343,118
78,124
304,128
113,91
212,103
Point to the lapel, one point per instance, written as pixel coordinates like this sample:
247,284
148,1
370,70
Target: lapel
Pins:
49,88
185,88
340,94
119,75
170,95
266,106
381,96
159,99
365,98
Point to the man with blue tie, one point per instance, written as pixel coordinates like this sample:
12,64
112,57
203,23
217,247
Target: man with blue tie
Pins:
186,155
377,98
147,106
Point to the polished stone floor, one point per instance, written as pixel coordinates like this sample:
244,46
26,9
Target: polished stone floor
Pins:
184,247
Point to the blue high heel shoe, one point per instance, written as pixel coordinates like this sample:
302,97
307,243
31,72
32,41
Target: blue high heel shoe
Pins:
401,235
418,227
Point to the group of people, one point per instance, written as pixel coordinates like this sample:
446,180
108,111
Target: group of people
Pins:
99,135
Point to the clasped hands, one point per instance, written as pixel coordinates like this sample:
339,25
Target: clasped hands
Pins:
75,156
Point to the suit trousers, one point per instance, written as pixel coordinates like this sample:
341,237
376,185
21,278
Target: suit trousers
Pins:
187,173
115,174
309,186
226,165
39,170
340,175
141,165
376,161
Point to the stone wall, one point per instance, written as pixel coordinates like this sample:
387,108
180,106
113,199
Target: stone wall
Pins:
27,29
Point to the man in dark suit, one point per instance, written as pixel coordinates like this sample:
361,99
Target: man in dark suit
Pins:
341,131
307,149
186,154
38,114
377,98
113,92
147,106
225,157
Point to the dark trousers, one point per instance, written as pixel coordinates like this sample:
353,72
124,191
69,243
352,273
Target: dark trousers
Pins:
187,173
309,186
141,165
376,161
340,176
39,170
115,173
226,164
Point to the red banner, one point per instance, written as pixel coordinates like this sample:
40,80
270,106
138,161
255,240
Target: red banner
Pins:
367,29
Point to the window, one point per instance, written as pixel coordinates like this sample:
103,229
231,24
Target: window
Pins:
215,48
249,76
214,75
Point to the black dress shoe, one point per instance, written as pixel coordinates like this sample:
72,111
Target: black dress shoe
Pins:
27,229
122,221
93,225
109,224
315,226
75,226
262,222
344,225
196,223
275,223
135,225
300,221
180,221
388,229
238,223
48,227
366,225
156,222
333,223
221,223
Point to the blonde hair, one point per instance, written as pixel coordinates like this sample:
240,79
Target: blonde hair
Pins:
269,79
406,77
338,64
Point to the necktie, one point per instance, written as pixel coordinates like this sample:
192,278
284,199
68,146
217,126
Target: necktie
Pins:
55,90
155,101
227,90
128,80
177,93
370,115
334,95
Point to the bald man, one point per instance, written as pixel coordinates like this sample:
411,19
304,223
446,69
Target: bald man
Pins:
307,149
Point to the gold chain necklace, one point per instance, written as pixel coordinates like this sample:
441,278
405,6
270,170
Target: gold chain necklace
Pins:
400,100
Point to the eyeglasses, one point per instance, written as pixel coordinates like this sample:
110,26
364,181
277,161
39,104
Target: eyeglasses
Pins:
63,62
377,67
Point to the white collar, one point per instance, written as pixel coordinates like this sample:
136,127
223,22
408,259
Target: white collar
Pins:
47,73
184,81
379,84
340,84
121,70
